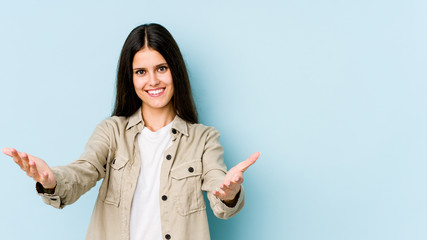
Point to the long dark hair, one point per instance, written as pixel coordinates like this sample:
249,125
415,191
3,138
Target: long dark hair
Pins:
158,38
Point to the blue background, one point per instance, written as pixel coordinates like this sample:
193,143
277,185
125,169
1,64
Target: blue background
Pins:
332,93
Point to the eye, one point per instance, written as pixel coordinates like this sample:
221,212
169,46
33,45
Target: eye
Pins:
162,68
139,72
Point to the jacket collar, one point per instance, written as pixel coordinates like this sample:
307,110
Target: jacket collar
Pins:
179,124
135,119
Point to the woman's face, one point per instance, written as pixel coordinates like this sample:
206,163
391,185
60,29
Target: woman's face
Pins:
152,80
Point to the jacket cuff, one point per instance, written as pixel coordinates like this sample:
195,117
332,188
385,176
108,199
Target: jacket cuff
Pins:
51,197
225,211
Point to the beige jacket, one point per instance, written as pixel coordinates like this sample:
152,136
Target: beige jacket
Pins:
193,163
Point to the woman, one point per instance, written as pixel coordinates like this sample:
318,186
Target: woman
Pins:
154,157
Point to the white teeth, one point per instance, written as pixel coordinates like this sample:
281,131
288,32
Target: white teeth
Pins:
155,92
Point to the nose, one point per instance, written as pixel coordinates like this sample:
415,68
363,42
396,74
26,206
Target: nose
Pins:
153,80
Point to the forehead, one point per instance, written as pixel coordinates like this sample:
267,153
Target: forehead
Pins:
147,57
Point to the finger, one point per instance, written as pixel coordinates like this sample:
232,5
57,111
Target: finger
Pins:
17,158
229,194
217,193
238,179
7,151
233,184
25,160
32,171
44,178
224,187
248,162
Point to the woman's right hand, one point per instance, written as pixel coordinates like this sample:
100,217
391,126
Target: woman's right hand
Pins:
35,167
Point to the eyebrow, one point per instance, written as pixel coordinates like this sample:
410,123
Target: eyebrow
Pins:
158,65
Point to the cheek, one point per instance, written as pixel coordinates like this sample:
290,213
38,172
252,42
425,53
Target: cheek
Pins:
138,83
138,88
168,79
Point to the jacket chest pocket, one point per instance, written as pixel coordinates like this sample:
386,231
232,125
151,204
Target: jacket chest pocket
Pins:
115,179
186,187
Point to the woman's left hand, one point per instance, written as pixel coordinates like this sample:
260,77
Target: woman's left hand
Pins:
231,186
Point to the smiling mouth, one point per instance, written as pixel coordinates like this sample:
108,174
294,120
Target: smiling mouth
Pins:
155,92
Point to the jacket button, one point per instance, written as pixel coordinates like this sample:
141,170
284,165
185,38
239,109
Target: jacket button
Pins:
174,131
164,198
167,236
191,169
168,157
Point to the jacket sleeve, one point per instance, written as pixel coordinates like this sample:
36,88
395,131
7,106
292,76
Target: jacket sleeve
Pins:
78,177
214,170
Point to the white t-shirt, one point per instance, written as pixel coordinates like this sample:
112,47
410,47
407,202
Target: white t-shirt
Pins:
145,211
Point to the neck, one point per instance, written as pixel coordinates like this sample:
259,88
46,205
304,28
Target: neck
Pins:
155,119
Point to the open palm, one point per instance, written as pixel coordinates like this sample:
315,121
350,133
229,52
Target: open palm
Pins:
233,179
34,167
